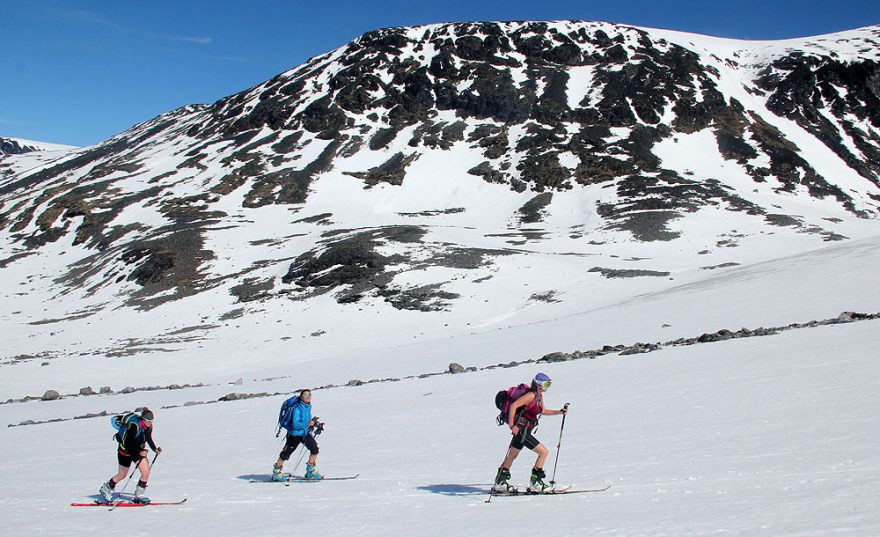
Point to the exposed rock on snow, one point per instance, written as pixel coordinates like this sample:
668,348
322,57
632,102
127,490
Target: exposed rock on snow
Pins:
455,368
51,395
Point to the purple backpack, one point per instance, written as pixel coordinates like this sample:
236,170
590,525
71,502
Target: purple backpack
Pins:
505,398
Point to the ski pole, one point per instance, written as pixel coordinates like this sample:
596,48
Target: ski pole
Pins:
318,430
301,449
127,481
559,444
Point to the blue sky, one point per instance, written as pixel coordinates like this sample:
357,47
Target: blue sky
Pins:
79,72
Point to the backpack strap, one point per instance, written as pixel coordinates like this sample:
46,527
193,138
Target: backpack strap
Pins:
518,418
130,421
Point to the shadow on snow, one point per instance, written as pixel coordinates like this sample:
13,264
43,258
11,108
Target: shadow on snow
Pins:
450,489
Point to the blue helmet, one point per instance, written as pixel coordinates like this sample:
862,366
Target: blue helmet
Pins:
541,380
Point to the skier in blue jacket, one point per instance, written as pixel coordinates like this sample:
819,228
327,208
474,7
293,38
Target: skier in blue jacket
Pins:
299,432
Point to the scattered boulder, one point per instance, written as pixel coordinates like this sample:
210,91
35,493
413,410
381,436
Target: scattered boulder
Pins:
51,395
91,415
86,391
850,316
640,348
720,335
764,331
632,273
556,357
456,368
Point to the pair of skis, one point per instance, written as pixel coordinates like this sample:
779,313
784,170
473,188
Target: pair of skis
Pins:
124,503
555,491
127,502
290,478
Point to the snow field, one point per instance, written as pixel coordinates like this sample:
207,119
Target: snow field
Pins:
377,341
762,436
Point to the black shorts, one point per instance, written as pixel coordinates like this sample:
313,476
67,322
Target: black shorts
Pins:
293,442
524,439
125,459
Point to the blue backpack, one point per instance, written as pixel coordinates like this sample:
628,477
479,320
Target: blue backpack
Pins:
285,416
122,421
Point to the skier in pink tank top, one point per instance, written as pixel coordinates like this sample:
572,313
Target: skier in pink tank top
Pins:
522,419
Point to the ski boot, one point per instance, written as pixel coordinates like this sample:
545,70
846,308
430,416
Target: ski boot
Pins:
106,491
139,493
537,481
277,475
502,481
312,472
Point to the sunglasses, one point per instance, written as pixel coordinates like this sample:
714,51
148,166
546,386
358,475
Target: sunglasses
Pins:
545,385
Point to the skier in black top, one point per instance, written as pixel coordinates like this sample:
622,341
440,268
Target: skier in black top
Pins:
133,437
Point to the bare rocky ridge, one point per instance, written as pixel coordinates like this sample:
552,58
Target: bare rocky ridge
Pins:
9,146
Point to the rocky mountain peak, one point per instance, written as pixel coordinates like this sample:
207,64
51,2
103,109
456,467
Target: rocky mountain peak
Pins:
581,130
17,146
11,146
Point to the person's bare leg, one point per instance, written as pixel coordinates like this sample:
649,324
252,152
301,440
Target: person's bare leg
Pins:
120,474
512,454
542,455
144,468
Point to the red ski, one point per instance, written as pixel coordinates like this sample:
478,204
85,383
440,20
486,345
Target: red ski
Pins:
97,503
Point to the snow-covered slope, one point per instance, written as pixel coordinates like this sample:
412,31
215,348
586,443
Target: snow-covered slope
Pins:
760,436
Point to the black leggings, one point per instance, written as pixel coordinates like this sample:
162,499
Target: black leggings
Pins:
293,442
525,439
